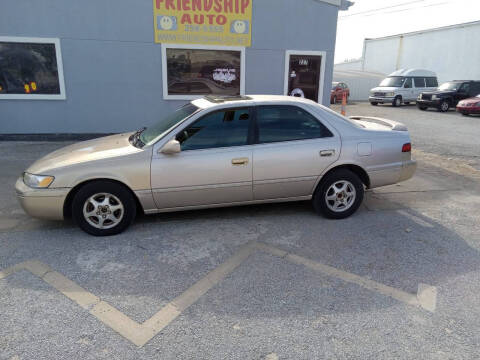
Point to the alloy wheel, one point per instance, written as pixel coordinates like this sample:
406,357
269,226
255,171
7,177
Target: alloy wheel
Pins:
340,196
103,211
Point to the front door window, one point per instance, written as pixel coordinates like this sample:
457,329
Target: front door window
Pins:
224,128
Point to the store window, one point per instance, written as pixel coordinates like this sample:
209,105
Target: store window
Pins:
190,72
31,68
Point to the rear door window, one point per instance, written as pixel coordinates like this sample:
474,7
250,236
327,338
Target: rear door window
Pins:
431,82
287,123
419,82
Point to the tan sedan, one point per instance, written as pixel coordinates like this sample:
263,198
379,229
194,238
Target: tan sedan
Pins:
217,152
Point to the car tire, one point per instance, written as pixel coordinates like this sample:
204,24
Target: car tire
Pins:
103,208
407,102
339,194
397,102
444,106
334,99
423,108
465,114
374,103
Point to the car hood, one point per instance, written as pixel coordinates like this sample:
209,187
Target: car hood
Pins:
97,149
384,89
472,100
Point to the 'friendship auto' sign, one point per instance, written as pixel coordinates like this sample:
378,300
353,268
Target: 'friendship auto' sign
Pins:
208,22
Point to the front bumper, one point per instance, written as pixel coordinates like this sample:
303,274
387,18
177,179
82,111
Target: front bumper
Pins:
468,110
41,203
381,100
428,103
408,170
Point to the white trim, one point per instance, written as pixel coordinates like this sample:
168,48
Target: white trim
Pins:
61,79
321,84
200,47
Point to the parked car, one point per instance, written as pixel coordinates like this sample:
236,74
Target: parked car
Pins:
469,106
220,151
338,90
448,95
403,87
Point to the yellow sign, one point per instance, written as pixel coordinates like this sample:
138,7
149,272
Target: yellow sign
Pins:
207,22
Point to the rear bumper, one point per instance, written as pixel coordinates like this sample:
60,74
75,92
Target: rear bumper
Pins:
381,100
41,203
408,170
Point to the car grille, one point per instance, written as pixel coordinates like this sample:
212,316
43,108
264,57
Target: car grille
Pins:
426,97
379,94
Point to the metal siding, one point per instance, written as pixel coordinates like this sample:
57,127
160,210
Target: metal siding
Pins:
450,52
113,68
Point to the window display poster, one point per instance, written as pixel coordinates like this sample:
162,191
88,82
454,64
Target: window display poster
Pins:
207,22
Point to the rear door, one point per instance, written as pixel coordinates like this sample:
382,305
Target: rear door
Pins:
292,149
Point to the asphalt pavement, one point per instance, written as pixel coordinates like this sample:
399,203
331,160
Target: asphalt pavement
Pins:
398,280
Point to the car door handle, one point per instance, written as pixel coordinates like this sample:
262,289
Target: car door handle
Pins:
239,161
325,153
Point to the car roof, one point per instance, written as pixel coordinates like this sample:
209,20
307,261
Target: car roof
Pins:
414,72
209,101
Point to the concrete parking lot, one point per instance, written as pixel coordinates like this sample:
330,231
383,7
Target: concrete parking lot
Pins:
400,279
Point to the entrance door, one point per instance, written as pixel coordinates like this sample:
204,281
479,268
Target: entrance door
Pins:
304,75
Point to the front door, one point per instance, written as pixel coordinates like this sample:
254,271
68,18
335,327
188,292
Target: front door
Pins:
304,76
293,150
214,166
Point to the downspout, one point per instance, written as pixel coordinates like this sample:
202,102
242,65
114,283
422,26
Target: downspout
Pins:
400,53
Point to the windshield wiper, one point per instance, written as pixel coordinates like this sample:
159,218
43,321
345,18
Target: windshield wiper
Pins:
135,138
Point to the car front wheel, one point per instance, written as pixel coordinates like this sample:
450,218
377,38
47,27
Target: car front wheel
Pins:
103,208
397,101
444,106
339,194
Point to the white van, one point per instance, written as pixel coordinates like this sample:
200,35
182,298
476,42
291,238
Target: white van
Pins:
403,87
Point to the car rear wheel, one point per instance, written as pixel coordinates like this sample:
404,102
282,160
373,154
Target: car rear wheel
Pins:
334,99
423,108
465,114
374,103
339,194
397,101
103,208
444,106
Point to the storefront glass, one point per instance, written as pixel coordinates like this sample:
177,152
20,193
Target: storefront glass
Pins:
203,72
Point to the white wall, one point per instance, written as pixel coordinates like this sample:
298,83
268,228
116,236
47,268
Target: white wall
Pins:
350,65
359,82
453,53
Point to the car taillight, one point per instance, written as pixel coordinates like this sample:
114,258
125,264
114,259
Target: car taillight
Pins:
407,147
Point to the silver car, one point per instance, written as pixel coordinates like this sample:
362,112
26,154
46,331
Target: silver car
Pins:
220,151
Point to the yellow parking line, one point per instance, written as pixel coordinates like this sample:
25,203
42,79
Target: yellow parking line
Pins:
425,297
140,334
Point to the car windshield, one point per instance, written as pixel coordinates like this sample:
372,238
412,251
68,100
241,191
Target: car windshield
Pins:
334,85
152,133
449,86
393,81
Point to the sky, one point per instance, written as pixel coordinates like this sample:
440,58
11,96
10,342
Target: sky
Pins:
378,18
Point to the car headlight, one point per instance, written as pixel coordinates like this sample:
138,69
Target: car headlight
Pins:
434,97
37,181
390,94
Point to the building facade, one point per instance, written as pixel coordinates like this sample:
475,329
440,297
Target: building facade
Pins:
449,51
116,65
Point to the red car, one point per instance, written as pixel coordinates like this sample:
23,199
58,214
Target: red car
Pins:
469,106
338,89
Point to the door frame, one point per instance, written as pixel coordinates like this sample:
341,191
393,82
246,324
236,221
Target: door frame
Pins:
321,84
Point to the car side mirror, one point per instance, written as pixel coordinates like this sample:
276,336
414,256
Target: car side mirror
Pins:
171,147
